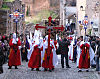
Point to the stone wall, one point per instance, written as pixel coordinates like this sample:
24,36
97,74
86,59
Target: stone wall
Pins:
3,21
38,5
10,25
29,28
54,3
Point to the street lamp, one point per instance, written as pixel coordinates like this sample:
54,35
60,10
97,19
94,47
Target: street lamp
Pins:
16,16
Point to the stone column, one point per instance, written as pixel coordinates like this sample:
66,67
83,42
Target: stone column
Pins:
61,11
63,17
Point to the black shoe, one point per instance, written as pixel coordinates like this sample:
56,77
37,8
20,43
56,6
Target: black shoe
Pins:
1,72
99,72
80,71
53,68
45,69
32,69
26,60
68,67
62,66
16,67
37,69
97,69
87,70
50,70
9,67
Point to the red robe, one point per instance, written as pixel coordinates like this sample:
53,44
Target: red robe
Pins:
48,63
35,59
84,61
14,57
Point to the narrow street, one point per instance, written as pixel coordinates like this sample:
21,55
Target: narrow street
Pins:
25,73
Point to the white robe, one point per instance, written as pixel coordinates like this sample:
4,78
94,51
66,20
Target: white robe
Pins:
70,53
78,55
55,58
43,52
92,55
30,50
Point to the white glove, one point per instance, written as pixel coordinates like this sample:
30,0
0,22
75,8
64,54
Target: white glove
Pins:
39,47
17,39
14,41
28,50
19,47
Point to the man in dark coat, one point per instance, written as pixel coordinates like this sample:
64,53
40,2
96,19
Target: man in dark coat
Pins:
1,58
93,44
98,54
64,51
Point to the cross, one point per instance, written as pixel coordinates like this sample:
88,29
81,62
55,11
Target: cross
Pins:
16,16
49,30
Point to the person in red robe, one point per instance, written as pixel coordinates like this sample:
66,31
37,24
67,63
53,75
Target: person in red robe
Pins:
48,57
35,59
84,61
14,56
48,60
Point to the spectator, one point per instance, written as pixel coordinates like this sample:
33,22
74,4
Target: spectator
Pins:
64,51
97,54
1,58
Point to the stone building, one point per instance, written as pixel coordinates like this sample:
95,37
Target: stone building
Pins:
90,8
3,21
93,13
67,12
3,18
35,6
10,26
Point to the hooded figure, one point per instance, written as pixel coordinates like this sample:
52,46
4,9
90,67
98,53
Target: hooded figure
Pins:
55,58
14,56
35,59
48,56
30,47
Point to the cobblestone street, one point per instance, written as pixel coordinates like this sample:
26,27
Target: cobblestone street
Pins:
25,73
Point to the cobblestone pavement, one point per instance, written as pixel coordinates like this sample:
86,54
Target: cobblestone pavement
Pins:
25,73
